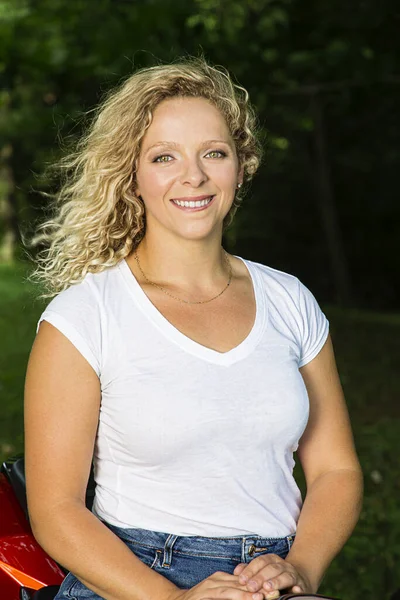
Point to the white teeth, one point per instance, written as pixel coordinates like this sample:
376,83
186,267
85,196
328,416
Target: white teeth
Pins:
193,204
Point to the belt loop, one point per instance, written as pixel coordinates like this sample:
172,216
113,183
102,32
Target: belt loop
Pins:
168,550
243,558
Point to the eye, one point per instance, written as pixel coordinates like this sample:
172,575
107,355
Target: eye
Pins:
162,156
220,152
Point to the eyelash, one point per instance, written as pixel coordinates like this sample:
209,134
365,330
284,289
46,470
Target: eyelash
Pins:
162,155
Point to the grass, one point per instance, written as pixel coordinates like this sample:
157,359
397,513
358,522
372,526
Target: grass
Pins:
367,348
18,316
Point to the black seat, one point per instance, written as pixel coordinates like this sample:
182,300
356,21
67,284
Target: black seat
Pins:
47,593
16,476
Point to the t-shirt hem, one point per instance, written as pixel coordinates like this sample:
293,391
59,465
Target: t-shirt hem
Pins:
309,357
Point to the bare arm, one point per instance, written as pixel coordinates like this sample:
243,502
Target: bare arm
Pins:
62,399
333,473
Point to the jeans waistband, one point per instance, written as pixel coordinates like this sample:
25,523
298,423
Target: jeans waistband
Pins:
222,546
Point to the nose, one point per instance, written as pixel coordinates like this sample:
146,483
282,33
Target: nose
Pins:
193,173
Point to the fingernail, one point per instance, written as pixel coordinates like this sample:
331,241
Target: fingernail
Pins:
268,585
243,578
257,596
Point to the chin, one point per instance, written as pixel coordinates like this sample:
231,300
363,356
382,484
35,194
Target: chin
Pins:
196,236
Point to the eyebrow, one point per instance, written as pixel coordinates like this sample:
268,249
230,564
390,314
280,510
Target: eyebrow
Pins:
175,145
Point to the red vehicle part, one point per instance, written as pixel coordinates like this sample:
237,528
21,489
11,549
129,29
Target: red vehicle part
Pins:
23,563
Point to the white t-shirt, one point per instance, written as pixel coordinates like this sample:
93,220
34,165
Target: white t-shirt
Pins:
192,441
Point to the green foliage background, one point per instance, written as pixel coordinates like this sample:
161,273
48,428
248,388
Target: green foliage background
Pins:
58,57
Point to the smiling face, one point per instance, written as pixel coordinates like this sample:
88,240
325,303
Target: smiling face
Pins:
187,156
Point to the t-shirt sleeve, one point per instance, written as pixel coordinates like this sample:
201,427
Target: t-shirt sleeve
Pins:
314,325
76,313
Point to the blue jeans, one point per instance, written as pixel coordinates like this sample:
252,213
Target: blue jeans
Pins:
184,560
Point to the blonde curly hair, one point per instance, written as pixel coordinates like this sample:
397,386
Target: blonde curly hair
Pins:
97,220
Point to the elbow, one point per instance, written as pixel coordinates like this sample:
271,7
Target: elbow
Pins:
43,528
49,521
41,534
44,525
352,479
349,479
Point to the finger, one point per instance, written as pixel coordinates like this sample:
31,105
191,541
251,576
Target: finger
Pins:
226,578
286,579
258,564
267,574
239,568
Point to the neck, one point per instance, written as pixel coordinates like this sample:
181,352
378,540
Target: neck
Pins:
189,264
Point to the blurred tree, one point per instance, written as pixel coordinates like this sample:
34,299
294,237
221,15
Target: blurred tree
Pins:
294,57
54,58
322,76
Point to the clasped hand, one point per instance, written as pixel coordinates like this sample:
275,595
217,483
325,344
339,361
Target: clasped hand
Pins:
269,574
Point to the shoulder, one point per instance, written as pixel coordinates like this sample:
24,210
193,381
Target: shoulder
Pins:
80,313
86,294
286,294
292,309
274,281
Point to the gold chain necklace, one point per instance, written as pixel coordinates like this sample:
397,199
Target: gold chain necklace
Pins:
179,299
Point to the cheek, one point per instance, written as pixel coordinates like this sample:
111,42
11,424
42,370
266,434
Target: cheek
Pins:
225,176
155,183
227,181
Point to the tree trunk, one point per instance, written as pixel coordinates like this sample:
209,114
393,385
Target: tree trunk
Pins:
321,176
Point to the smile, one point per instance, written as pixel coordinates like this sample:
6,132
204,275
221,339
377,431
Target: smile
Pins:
193,205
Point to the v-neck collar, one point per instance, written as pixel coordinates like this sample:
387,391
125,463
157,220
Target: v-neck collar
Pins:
230,357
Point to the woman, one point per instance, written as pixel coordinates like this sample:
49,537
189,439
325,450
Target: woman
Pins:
188,374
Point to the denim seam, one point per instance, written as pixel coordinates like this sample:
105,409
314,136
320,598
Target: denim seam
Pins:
205,555
248,538
68,590
141,544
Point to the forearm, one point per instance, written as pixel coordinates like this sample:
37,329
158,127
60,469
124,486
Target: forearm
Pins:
327,519
76,539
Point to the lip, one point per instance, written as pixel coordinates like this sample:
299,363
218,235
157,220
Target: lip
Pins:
194,208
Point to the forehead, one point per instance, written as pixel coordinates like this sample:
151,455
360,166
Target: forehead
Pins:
191,118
